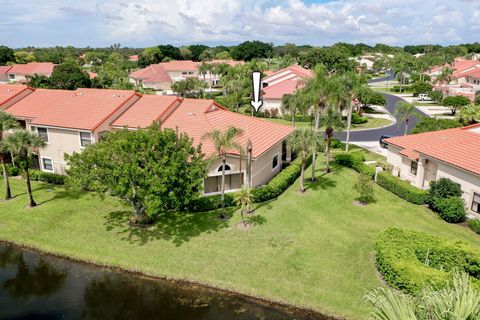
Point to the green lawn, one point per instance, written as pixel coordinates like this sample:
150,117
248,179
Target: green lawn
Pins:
314,249
371,124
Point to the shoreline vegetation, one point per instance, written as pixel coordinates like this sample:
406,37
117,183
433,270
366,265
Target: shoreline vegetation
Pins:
285,258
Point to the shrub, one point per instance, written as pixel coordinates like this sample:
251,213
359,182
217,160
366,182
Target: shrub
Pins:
474,224
442,189
364,187
410,260
421,87
47,177
337,144
355,160
451,209
403,189
397,88
12,170
357,119
427,124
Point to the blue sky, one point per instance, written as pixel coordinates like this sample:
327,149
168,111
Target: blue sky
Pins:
149,22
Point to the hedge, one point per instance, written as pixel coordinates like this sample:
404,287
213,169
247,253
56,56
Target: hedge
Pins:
12,170
273,189
451,209
474,224
47,177
401,188
355,161
358,119
409,260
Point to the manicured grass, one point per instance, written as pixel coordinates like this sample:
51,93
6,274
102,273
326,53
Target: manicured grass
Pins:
371,124
314,249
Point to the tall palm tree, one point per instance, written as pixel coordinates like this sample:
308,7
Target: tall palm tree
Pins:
21,144
404,111
305,143
470,114
331,120
223,141
402,67
7,122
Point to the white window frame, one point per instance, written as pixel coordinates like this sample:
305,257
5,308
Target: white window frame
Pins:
80,138
43,164
11,77
48,133
278,161
473,201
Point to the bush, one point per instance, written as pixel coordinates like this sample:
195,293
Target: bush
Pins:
355,160
364,187
337,144
12,170
442,189
357,119
451,209
474,224
428,124
403,189
47,177
410,260
421,87
397,88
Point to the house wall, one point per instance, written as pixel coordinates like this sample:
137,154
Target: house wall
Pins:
177,75
271,104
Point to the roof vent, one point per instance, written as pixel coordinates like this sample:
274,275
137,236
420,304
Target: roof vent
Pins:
191,114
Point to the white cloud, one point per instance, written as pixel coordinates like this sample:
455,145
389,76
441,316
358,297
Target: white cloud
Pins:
228,21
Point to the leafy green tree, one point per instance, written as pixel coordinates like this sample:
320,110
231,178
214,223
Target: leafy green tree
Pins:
114,73
7,122
403,66
421,87
331,119
185,53
244,199
364,187
428,124
21,144
223,142
69,76
455,103
190,87
151,55
24,57
436,96
170,51
155,170
334,59
197,50
404,111
366,96
304,142
249,50
6,55
470,114
223,55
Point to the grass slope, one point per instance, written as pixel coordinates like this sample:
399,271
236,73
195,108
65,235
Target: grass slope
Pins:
314,250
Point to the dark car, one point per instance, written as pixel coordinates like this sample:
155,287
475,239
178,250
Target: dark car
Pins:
382,142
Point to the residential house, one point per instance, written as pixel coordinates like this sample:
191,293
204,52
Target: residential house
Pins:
69,120
12,93
280,83
3,73
20,73
452,153
196,117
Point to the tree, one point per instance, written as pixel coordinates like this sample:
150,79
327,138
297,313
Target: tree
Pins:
7,122
404,111
189,87
39,81
333,59
364,187
196,51
470,114
366,97
24,57
6,55
304,142
421,87
170,51
69,76
185,53
114,73
223,142
428,124
249,50
154,170
223,55
402,66
331,119
21,144
455,103
151,55
244,199
436,96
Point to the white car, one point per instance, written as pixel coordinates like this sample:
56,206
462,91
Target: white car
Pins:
424,97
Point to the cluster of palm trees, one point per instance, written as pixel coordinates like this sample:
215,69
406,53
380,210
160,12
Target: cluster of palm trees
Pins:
21,145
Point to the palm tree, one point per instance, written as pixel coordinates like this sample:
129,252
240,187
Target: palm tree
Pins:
223,141
402,67
245,200
305,143
404,111
7,122
21,144
470,114
331,120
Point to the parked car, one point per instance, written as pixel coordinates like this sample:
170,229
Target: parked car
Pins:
424,97
382,142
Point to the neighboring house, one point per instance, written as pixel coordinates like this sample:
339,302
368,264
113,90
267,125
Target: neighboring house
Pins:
459,67
22,72
12,93
69,120
453,153
196,117
282,82
4,74
134,58
365,62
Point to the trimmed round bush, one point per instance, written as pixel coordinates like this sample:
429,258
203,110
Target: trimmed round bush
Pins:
358,119
441,189
474,224
409,260
451,209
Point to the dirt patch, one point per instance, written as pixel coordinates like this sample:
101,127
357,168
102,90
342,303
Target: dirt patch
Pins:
244,226
357,203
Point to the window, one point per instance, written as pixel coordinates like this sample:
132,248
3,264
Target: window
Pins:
43,133
47,164
414,167
275,162
476,202
190,72
85,139
11,76
184,72
227,168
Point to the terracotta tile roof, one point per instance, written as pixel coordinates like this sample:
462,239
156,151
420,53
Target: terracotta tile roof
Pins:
10,91
285,81
459,147
146,110
196,117
276,91
134,57
154,73
180,65
92,75
292,71
83,109
40,68
4,69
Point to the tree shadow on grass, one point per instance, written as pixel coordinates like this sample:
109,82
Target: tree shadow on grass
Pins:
175,227
256,220
323,182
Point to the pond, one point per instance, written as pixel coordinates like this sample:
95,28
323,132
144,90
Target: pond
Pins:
38,286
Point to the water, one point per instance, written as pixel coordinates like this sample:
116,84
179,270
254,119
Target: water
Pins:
37,286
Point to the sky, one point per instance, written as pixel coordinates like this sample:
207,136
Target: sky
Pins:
100,23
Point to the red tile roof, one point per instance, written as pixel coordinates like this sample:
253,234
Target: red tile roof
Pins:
285,81
40,68
459,147
83,109
294,71
10,91
4,69
154,73
180,65
134,57
196,117
277,90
